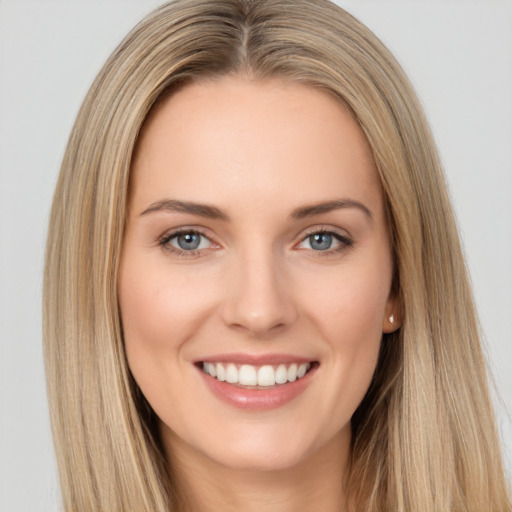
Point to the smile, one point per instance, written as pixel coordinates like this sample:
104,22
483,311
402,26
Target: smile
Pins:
264,376
257,383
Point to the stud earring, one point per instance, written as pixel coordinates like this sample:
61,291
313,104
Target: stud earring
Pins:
392,319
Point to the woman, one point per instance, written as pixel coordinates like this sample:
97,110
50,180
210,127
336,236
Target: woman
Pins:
180,260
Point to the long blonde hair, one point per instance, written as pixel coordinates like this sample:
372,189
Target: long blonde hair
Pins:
424,438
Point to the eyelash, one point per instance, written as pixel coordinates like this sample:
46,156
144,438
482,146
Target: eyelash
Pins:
165,240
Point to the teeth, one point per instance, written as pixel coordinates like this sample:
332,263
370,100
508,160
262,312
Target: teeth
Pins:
220,371
231,374
301,371
247,375
263,376
292,373
266,376
281,374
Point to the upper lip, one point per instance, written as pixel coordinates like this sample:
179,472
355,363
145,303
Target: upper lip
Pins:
255,359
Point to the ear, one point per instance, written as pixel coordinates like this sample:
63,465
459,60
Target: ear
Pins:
392,315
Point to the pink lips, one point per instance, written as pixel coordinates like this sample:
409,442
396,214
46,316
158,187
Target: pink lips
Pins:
257,399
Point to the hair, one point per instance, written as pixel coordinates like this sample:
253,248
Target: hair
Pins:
424,437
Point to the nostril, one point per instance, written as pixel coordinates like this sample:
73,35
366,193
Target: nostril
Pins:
258,327
258,303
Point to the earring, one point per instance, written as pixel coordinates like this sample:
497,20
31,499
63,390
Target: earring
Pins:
392,319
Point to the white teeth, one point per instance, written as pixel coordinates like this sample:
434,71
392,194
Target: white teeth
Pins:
210,368
303,368
249,375
266,376
231,374
221,372
292,373
281,374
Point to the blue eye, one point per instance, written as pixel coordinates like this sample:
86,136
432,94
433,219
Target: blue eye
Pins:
320,241
183,242
325,241
188,241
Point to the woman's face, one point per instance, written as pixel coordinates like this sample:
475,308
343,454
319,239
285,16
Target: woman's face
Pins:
256,249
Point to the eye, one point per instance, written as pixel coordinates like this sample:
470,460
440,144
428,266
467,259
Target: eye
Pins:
185,242
189,241
320,241
325,241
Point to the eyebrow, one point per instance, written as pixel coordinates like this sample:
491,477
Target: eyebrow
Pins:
212,212
328,206
173,205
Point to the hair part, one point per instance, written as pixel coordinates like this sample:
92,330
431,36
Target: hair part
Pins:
429,398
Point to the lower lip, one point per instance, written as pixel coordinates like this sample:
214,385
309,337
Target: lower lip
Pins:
257,399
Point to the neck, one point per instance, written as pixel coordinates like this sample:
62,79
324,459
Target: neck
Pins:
315,483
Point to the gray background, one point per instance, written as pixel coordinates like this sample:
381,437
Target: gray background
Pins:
459,56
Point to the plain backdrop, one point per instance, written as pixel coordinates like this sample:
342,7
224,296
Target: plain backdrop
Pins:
458,54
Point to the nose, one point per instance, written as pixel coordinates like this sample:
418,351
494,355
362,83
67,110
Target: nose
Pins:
259,298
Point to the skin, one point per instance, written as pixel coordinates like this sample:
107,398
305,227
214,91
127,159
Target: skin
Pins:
257,151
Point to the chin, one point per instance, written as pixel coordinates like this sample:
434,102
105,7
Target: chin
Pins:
253,448
262,459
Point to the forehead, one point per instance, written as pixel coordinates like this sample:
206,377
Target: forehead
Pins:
253,139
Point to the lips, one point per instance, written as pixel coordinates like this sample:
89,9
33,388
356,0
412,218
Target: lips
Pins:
257,383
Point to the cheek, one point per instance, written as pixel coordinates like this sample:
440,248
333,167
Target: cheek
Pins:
160,311
349,306
353,326
157,305
348,311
